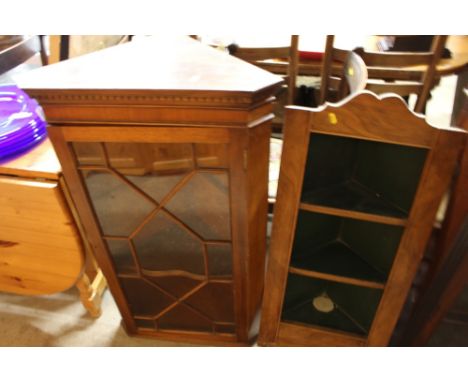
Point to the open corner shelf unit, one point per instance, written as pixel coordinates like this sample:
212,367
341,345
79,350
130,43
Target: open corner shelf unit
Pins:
366,177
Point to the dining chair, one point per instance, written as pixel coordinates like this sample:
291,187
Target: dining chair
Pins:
289,56
404,73
21,52
351,79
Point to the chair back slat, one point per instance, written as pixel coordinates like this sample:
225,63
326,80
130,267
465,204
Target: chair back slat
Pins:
394,67
352,78
402,89
395,59
258,54
289,55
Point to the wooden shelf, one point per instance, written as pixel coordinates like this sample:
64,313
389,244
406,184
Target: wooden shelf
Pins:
353,214
349,314
336,261
337,319
351,199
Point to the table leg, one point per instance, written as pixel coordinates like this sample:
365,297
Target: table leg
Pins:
91,293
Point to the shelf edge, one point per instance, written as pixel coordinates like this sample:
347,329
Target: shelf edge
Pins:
353,214
340,279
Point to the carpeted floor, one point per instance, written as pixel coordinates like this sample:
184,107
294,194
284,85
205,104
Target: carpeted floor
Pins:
60,320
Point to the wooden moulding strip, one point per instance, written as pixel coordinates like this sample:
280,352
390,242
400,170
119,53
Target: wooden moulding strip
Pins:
147,134
220,339
301,335
353,214
340,279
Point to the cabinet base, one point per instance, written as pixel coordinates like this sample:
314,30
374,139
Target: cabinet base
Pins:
189,338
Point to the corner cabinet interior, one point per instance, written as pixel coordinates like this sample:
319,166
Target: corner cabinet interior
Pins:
359,187
168,166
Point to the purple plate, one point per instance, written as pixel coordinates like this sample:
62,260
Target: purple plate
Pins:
22,122
17,142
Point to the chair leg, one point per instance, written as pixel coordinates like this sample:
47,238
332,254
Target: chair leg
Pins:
43,51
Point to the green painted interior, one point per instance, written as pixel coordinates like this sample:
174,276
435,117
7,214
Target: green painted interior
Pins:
354,309
359,175
375,243
356,175
344,247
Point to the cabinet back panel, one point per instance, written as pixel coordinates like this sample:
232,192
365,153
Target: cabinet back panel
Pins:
320,239
354,307
314,230
330,161
390,170
376,243
362,175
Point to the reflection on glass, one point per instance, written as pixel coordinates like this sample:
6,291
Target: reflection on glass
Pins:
219,259
216,300
154,186
119,208
177,286
121,256
89,153
203,204
200,208
143,298
147,158
183,318
163,244
211,155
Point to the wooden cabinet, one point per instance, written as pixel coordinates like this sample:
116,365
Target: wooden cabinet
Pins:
359,187
164,143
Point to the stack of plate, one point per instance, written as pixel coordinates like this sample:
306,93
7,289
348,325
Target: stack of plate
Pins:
22,122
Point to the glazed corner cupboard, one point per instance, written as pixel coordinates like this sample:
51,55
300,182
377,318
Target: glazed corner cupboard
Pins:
359,187
164,144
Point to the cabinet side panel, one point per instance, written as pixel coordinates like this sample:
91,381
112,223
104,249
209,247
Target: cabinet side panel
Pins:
240,239
434,182
257,172
296,141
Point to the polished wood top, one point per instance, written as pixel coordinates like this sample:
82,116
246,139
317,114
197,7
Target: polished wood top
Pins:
39,162
153,64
